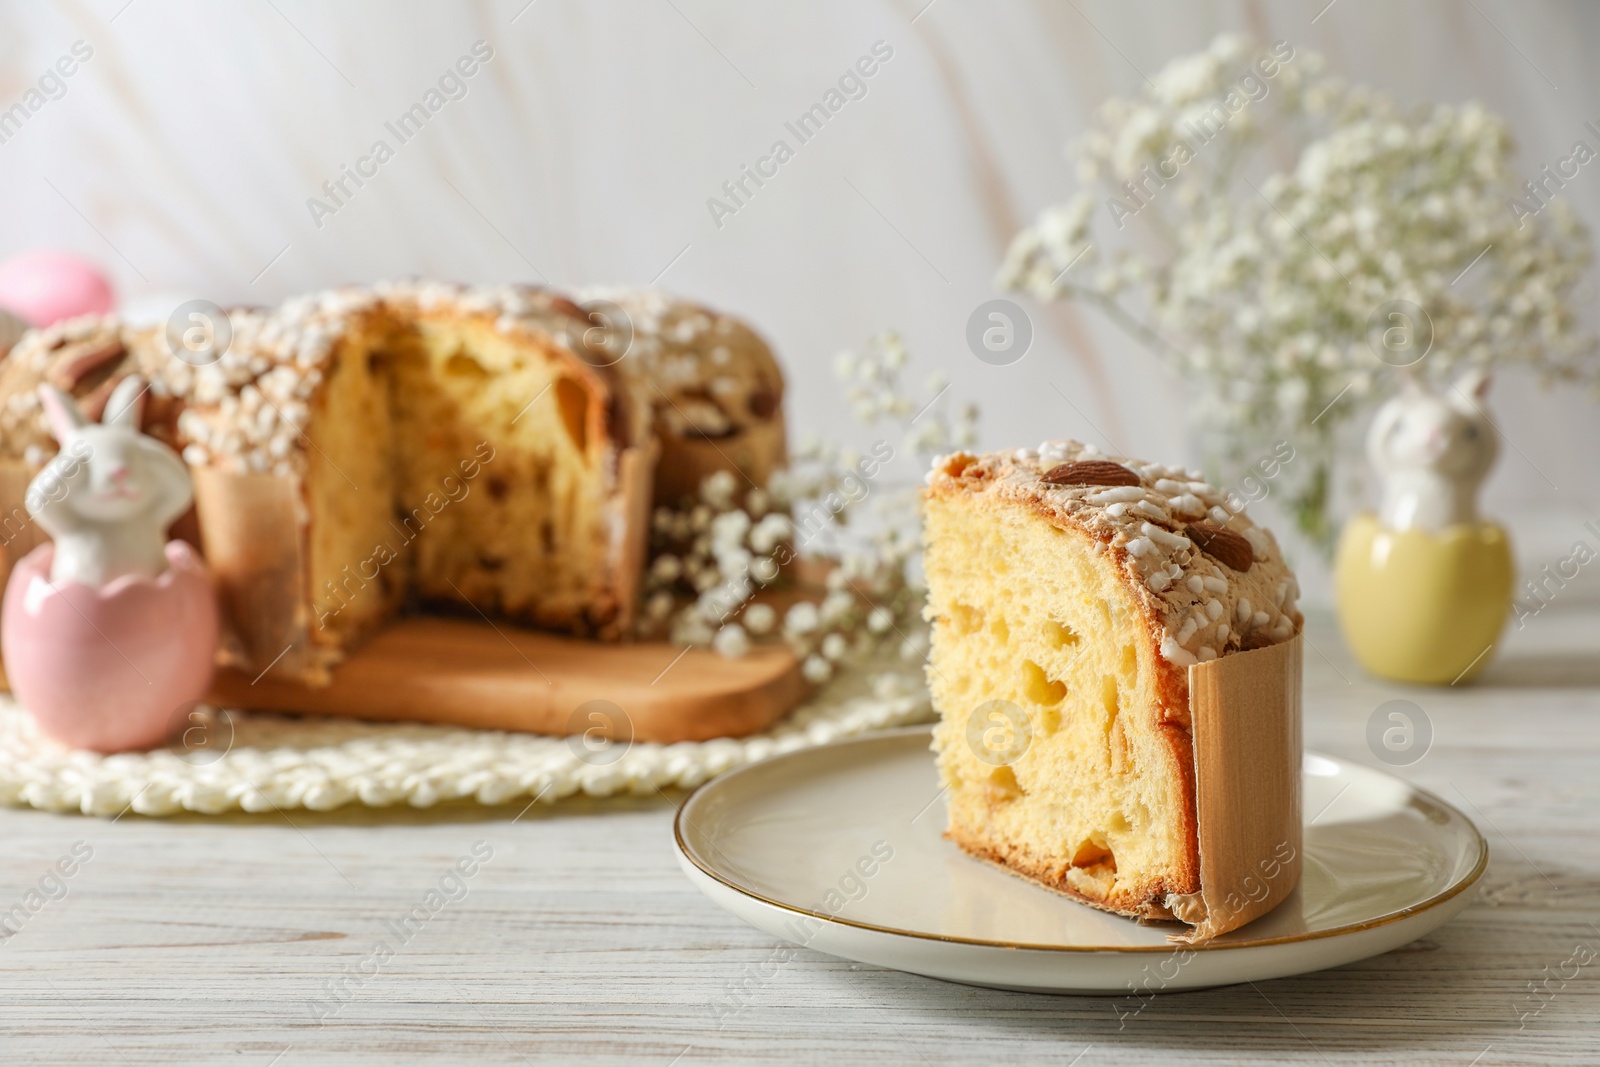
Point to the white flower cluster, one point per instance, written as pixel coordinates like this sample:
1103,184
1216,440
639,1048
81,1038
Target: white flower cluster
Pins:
734,565
1267,288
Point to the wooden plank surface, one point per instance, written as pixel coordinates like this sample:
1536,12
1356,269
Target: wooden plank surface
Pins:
209,941
498,676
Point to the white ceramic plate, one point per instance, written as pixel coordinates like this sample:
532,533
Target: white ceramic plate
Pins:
840,848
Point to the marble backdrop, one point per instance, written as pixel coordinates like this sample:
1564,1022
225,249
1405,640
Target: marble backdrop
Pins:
208,148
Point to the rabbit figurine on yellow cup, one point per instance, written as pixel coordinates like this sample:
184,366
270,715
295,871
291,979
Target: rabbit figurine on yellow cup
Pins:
1424,586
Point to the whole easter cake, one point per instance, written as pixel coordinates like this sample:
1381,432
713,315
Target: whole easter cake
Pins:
360,448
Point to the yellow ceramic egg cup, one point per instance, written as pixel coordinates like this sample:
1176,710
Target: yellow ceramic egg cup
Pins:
1422,607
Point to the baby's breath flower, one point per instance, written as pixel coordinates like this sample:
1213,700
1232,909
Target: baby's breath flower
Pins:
816,670
770,531
731,641
801,618
730,527
760,618
718,489
713,552
1265,302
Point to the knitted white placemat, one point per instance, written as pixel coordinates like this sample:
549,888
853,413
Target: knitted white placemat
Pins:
260,762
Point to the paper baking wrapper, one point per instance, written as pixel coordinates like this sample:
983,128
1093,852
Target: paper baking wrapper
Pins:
636,469
1244,713
253,534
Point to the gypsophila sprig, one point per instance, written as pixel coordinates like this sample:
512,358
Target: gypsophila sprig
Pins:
1262,286
740,564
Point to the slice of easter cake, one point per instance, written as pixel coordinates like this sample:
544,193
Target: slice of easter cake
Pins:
1070,594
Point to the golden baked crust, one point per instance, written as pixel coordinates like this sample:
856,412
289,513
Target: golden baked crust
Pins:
1137,529
714,388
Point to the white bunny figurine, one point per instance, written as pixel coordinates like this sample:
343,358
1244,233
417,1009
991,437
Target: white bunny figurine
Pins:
1432,453
107,498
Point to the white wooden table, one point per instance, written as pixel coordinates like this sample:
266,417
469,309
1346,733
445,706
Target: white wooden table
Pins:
194,940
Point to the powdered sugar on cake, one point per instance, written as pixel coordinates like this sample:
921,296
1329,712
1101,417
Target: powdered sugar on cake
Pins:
1173,533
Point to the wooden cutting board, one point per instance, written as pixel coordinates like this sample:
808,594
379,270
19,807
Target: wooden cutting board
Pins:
469,673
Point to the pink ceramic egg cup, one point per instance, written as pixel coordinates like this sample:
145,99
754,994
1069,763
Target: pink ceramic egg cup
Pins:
110,669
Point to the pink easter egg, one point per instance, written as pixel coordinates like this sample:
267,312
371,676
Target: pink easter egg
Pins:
115,668
45,286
